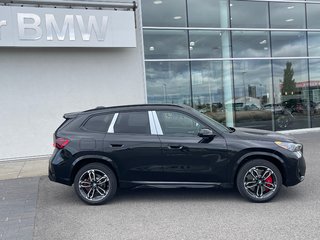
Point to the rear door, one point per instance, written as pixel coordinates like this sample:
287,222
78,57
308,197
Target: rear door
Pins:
134,148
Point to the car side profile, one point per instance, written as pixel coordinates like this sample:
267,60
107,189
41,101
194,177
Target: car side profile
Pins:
157,145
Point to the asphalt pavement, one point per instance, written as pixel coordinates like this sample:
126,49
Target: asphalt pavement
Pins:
184,213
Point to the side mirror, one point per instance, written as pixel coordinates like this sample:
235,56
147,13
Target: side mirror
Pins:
205,133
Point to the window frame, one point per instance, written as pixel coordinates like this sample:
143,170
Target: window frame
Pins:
95,115
159,127
116,117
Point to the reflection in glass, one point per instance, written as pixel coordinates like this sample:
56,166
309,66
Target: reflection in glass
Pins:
162,44
291,91
250,44
289,44
163,13
287,15
253,94
314,69
168,82
313,44
207,85
242,17
205,13
205,44
313,11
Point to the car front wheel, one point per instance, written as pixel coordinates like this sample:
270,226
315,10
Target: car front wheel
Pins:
95,183
259,180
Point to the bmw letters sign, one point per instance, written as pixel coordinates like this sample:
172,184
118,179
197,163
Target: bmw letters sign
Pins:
55,27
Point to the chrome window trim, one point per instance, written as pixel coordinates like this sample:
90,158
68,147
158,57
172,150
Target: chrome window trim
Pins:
153,128
114,119
157,123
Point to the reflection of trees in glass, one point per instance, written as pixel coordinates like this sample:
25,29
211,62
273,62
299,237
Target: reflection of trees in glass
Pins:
289,84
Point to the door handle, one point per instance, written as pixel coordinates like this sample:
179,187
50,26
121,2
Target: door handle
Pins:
116,145
179,147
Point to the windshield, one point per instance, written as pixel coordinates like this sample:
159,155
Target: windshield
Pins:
218,125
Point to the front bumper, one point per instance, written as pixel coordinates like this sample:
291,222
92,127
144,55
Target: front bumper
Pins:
296,170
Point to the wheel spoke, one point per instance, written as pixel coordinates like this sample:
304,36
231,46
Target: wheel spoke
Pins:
270,186
101,191
90,194
259,191
102,180
92,175
266,174
251,184
84,184
254,173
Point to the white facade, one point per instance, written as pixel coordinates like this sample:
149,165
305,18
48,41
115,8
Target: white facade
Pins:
39,85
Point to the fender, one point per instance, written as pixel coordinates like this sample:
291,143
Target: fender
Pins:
256,154
99,157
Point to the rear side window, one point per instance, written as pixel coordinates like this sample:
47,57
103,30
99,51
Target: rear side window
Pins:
99,123
132,122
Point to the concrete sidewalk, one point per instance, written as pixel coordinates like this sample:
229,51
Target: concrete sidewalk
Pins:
23,168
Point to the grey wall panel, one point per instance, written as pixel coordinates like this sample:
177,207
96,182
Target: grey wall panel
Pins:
39,85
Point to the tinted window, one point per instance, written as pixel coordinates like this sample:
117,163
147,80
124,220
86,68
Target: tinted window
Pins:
132,122
99,123
178,124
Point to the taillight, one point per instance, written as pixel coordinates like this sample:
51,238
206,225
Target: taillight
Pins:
60,143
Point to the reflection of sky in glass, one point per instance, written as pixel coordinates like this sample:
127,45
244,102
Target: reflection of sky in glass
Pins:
168,82
288,44
255,74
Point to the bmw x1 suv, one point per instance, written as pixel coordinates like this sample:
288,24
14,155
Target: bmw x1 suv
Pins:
103,149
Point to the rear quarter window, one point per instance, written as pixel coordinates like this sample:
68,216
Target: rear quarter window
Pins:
98,123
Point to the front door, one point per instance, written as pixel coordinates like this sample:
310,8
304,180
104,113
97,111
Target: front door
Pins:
187,158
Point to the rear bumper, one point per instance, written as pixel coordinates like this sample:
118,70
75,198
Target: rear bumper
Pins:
59,169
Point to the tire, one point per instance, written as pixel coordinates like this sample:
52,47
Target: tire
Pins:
95,184
259,181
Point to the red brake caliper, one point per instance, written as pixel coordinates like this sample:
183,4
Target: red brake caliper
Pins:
268,180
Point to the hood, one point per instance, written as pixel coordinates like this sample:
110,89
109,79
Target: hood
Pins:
262,135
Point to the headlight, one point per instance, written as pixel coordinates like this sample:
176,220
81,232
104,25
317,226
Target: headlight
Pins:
293,147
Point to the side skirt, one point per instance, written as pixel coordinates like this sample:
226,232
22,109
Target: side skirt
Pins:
156,184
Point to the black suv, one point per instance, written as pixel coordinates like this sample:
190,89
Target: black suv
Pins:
105,148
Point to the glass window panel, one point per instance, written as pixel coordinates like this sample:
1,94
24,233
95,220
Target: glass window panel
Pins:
205,44
168,82
287,15
164,13
314,46
249,14
314,68
162,44
99,123
313,11
132,122
253,94
207,86
178,124
291,91
206,13
288,44
250,44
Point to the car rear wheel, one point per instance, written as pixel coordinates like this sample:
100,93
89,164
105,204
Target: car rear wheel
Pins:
259,180
95,184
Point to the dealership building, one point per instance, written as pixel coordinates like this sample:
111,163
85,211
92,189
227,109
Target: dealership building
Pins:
244,63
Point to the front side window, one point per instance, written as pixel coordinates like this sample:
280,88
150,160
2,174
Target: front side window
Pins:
178,124
98,123
132,122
